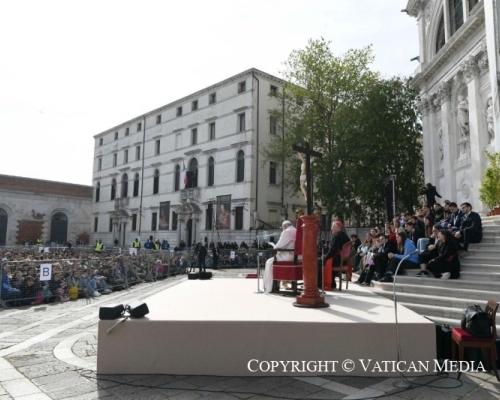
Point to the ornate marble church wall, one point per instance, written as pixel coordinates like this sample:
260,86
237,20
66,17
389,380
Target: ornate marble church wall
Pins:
456,129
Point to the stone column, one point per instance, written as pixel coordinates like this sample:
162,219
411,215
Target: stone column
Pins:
449,141
421,35
492,25
426,130
433,141
477,128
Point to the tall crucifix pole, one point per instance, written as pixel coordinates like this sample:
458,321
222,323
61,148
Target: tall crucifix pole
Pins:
310,297
308,152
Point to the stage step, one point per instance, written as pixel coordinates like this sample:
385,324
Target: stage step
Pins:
455,284
472,295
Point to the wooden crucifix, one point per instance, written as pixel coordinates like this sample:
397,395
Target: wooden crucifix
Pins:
308,153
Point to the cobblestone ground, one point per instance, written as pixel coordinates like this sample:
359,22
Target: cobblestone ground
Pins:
50,352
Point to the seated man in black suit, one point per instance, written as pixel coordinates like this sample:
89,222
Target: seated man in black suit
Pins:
454,219
471,228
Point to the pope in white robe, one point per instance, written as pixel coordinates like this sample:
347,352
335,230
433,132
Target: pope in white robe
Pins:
287,241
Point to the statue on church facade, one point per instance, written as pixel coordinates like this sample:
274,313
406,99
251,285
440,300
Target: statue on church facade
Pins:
463,116
441,153
489,121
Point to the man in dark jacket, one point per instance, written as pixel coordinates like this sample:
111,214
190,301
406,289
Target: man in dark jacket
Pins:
471,228
202,255
215,255
338,240
454,219
413,232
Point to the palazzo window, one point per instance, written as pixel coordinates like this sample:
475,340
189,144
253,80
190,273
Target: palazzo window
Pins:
177,177
211,171
136,185
156,182
240,166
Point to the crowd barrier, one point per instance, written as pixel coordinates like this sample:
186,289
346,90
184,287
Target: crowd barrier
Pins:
34,277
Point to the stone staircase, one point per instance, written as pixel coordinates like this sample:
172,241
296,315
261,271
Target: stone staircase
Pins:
442,301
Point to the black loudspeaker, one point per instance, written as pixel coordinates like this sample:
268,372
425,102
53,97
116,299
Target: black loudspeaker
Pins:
193,276
137,309
111,311
205,275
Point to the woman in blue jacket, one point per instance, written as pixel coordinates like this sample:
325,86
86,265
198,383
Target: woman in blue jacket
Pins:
407,256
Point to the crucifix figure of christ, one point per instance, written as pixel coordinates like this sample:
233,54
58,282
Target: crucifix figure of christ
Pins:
308,153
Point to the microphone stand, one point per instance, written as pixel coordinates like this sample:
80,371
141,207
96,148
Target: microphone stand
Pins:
402,384
258,266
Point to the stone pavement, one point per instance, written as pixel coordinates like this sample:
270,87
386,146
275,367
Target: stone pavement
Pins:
50,352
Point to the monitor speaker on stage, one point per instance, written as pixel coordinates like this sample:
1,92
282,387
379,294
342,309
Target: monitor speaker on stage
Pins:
112,311
137,309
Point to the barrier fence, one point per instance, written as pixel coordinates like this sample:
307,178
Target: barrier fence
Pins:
34,277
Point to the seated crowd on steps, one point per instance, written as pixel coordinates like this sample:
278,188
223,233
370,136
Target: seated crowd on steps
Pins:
431,242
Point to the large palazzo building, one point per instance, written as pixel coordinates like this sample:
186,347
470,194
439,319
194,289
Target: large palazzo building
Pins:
191,169
458,80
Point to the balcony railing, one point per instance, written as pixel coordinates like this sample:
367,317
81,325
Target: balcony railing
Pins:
190,194
120,203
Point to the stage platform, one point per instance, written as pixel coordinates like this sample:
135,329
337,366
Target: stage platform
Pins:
223,327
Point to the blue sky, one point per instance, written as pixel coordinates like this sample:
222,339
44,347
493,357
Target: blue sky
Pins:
72,69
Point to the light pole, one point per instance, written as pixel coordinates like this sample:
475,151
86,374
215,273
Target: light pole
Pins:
392,178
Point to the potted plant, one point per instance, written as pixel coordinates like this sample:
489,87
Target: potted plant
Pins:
489,192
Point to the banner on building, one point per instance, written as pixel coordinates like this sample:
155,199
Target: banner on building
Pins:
223,213
164,216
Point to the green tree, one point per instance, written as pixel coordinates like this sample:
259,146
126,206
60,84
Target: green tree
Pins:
364,126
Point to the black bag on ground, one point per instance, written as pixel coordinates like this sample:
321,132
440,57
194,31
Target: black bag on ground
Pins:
498,352
443,342
476,321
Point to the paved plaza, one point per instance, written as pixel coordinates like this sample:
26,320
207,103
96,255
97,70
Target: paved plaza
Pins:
50,352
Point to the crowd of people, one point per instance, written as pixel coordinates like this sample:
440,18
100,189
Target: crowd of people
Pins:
76,275
432,242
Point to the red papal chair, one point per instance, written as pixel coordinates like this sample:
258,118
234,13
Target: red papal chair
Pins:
461,338
290,271
331,271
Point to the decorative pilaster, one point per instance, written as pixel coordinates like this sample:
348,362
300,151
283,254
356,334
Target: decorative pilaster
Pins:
448,140
477,131
424,108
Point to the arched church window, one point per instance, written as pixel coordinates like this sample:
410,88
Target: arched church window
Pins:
3,227
456,15
472,4
440,38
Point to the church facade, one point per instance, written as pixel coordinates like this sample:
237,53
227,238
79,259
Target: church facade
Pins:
458,81
191,170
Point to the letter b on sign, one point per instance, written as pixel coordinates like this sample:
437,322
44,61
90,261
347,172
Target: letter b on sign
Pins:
45,272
